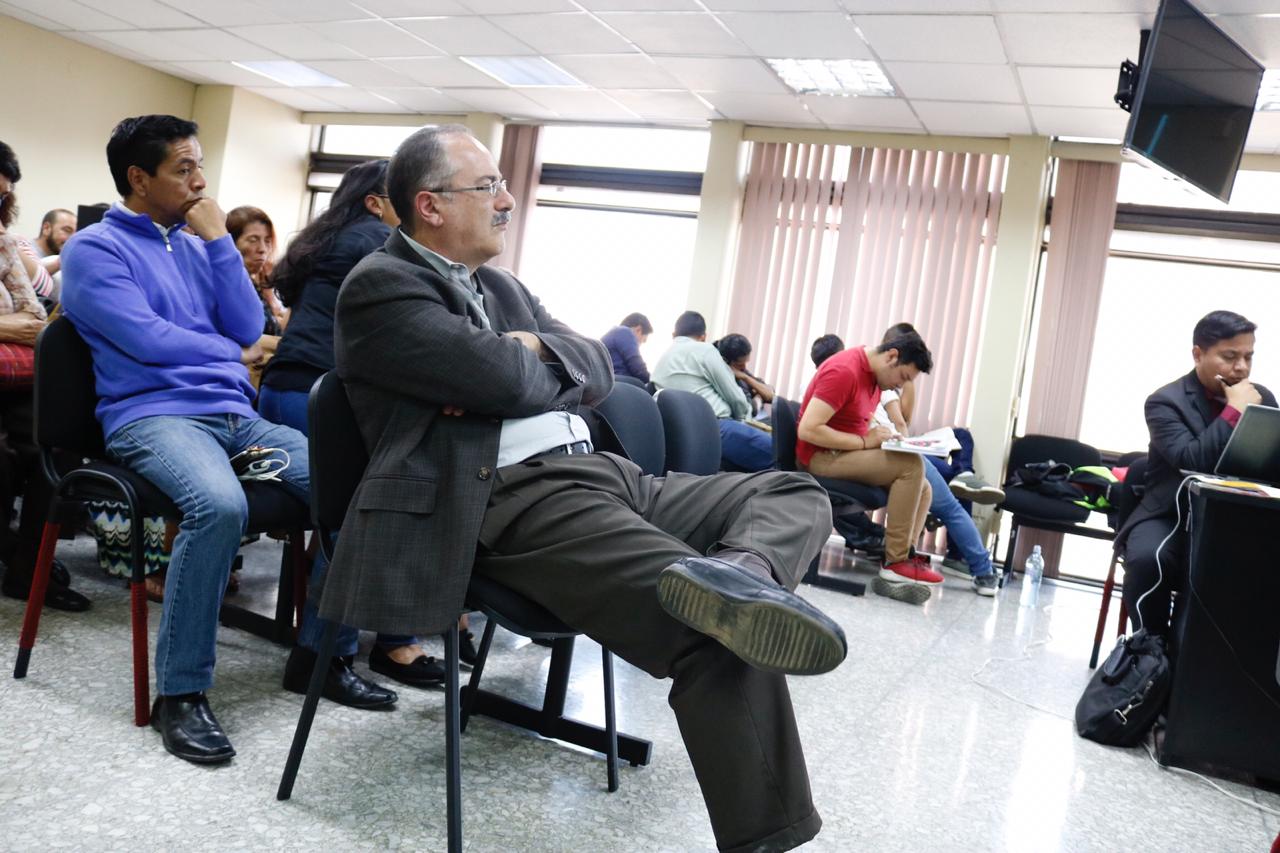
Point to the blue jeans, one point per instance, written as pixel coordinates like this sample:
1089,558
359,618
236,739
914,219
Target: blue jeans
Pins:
745,446
290,408
959,523
186,458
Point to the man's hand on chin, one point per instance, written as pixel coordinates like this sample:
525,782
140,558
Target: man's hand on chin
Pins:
1240,394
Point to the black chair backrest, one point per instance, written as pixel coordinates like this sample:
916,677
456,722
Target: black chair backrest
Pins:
65,393
784,418
633,417
691,431
337,453
628,380
1042,448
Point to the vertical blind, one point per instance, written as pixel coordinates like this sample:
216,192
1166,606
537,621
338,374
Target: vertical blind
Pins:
853,240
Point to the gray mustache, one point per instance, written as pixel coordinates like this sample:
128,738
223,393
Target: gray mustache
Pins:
501,218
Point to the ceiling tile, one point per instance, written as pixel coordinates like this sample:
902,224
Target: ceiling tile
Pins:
294,42
641,5
773,5
951,7
1078,121
466,36
765,109
145,14
223,73
216,44
353,99
501,101
581,104
360,72
933,38
723,75
71,14
441,71
1080,40
413,8
663,106
93,40
694,33
1144,7
1069,87
31,18
144,43
953,81
1264,132
505,7
374,39
227,13
880,113
799,35
1235,7
964,119
422,99
575,32
630,71
313,10
296,99
1258,35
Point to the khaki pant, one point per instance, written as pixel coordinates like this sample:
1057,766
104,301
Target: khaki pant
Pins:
901,473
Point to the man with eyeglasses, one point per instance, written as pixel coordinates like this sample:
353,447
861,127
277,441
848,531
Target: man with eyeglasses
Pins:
468,392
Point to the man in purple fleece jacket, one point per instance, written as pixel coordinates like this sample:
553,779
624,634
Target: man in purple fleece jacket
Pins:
172,321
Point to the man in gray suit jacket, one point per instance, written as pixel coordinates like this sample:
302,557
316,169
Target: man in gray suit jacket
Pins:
1190,421
467,392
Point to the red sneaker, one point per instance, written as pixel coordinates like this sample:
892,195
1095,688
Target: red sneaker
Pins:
913,570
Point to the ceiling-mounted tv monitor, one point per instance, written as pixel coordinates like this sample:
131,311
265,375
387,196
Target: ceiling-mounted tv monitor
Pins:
1194,99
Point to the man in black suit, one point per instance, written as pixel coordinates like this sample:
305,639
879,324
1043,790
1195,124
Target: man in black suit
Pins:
467,392
1190,421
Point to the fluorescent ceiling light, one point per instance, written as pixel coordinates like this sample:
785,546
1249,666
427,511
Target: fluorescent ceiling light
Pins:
833,76
523,70
1269,91
288,73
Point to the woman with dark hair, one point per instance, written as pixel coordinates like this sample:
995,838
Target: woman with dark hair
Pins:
735,349
255,238
358,221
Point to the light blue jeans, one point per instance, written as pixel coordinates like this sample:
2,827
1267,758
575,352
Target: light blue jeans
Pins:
290,408
959,523
745,446
187,459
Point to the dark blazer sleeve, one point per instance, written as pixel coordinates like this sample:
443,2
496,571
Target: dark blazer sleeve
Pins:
585,361
398,332
1173,437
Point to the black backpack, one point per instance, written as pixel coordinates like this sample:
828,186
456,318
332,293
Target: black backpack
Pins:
1050,478
1127,693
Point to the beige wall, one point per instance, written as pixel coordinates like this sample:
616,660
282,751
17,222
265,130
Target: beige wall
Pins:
61,100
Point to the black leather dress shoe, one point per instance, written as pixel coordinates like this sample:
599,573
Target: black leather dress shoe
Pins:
341,683
189,730
759,621
57,594
423,672
467,653
869,544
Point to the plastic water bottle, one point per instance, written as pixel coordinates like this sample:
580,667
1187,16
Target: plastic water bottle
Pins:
1031,577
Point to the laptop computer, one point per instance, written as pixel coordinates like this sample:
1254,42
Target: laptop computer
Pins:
1253,451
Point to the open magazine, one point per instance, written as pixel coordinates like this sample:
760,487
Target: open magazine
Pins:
939,442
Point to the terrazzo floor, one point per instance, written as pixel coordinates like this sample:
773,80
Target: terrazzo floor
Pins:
948,728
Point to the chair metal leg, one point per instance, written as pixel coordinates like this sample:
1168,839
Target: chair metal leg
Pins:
298,551
477,670
1124,616
141,666
1007,571
1107,588
452,741
610,719
328,642
35,598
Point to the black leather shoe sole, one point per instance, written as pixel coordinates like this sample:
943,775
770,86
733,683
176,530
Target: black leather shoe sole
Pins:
423,672
57,597
765,625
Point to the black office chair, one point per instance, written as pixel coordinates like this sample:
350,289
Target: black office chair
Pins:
633,428
691,432
629,380
1042,512
1125,496
338,460
73,459
845,495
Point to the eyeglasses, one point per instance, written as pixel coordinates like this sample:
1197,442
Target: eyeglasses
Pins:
492,189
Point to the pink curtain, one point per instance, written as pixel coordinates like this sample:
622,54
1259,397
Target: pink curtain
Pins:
1084,213
521,165
853,240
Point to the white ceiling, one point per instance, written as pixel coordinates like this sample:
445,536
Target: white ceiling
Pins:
960,67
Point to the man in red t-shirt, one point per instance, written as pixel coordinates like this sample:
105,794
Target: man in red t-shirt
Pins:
835,441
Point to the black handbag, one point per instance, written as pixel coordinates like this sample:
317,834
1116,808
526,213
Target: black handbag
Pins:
1127,693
